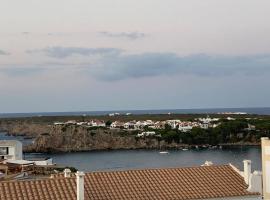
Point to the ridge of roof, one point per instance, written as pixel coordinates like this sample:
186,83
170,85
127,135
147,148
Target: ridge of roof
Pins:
152,169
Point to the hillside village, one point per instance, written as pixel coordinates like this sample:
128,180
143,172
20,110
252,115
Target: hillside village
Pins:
176,124
53,134
184,126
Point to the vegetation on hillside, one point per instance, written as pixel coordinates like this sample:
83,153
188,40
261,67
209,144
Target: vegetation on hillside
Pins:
227,132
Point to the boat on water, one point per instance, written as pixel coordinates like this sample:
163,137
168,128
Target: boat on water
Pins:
185,149
163,152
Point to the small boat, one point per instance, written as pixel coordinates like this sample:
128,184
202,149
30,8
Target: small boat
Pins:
185,149
163,152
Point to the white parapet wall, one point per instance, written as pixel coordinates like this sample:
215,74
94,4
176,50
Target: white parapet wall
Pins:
266,167
10,149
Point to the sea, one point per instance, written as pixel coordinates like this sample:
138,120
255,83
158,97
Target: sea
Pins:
258,111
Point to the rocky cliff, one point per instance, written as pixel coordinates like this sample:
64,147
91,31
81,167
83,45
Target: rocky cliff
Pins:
73,138
24,128
65,138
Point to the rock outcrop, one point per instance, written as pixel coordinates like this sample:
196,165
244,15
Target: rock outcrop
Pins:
73,138
66,138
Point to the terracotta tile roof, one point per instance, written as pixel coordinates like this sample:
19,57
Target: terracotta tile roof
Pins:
159,184
49,189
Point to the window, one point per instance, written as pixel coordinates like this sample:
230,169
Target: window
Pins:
3,150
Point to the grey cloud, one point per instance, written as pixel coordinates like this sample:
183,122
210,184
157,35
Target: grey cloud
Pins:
159,64
4,53
21,71
128,35
120,66
63,52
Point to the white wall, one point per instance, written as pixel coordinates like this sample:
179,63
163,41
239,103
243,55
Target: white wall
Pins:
14,149
43,162
239,198
18,151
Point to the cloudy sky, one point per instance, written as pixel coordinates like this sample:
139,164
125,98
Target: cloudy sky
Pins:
81,55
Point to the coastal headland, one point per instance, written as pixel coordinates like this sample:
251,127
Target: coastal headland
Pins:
159,131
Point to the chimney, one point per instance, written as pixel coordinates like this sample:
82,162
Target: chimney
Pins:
265,142
255,182
247,171
67,173
80,185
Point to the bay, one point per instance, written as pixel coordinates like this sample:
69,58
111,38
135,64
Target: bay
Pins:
143,159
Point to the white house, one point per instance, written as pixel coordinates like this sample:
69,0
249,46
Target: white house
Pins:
58,123
10,149
130,125
208,119
97,123
173,123
117,124
147,133
185,128
204,125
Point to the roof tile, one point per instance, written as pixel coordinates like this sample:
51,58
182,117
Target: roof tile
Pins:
159,184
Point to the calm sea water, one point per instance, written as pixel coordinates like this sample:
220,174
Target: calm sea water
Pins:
141,159
260,111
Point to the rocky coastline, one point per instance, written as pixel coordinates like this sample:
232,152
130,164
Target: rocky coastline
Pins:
50,138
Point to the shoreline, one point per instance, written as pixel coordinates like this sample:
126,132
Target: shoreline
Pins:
179,147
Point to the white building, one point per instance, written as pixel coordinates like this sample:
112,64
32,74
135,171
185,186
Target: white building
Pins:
185,128
130,125
117,124
204,125
147,133
35,161
266,167
97,123
10,149
208,119
173,123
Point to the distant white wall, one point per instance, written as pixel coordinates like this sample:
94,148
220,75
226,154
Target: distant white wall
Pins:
18,151
14,149
239,198
43,162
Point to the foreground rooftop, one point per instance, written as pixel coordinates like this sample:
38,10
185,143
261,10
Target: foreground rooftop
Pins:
202,182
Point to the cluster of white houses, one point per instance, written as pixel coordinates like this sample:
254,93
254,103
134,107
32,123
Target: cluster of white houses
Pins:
183,126
92,123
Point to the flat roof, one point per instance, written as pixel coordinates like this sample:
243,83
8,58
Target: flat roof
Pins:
10,142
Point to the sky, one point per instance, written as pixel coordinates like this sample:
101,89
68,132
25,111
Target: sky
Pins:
81,55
